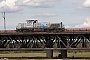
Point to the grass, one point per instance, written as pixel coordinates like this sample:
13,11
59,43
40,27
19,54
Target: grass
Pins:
23,55
29,54
87,54
42,54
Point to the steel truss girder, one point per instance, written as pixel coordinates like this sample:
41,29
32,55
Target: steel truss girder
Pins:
44,41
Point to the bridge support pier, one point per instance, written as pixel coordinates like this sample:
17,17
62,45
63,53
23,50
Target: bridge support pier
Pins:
49,44
49,53
63,52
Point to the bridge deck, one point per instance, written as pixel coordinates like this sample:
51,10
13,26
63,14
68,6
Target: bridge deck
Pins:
38,49
30,33
73,36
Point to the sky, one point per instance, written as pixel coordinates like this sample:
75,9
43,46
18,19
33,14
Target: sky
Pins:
72,13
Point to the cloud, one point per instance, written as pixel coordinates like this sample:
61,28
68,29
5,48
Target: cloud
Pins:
85,24
17,5
46,15
85,5
37,3
9,6
83,8
74,2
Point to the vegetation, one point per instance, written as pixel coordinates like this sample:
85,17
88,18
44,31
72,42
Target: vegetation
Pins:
42,55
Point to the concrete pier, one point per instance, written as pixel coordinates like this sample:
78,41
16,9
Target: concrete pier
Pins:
63,52
49,44
49,53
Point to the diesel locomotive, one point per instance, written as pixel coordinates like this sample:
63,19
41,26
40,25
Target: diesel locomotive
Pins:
35,26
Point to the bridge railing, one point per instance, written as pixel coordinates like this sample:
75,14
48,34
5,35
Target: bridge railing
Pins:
77,30
9,31
68,30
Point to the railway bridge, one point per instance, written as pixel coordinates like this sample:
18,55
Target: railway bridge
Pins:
70,39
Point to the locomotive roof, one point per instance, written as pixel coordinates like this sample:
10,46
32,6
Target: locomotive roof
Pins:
30,20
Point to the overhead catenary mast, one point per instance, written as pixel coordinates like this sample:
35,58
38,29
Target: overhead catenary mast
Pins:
3,13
